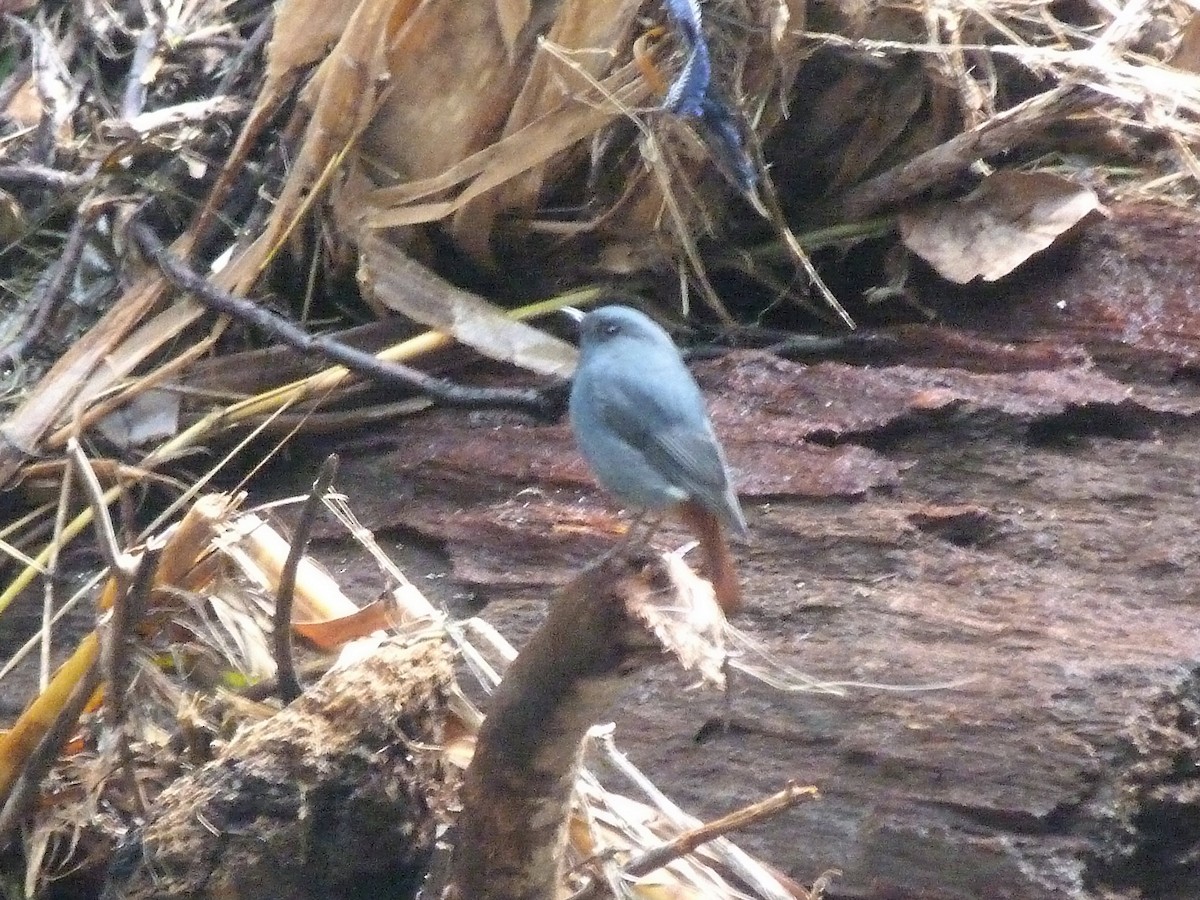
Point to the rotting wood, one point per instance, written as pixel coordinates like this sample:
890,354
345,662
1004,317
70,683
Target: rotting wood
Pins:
517,792
1035,550
341,790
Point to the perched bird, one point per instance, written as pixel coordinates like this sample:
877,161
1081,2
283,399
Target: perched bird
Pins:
642,426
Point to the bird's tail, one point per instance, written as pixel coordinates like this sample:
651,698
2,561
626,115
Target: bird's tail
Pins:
718,559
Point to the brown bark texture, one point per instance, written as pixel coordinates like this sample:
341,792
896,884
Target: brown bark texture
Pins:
996,512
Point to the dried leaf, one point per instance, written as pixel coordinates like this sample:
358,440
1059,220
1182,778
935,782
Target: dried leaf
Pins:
344,95
692,627
889,115
450,87
61,387
513,14
999,225
333,633
406,286
305,30
578,26
193,113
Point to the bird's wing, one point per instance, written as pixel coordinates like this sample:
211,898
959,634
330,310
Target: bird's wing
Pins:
697,458
670,429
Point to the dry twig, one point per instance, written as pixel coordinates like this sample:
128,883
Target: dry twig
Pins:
57,284
24,790
285,666
537,403
665,853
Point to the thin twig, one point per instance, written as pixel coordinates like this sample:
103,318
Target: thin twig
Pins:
129,606
235,164
60,522
246,55
744,866
285,665
657,857
106,534
1003,131
85,590
535,402
666,853
133,100
768,203
43,177
42,58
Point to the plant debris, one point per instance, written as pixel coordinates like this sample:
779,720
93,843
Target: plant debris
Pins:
186,186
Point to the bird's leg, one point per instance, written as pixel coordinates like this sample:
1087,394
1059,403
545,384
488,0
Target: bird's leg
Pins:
647,522
639,532
631,533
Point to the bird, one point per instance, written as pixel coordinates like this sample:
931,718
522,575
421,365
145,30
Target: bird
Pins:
641,424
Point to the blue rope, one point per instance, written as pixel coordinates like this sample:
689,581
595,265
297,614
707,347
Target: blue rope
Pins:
690,96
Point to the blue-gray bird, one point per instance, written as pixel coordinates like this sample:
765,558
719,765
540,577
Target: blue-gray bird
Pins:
641,424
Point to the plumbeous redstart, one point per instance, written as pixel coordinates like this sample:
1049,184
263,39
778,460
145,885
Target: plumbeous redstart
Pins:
641,424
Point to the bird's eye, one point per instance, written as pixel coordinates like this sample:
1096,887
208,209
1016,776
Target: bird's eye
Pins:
611,328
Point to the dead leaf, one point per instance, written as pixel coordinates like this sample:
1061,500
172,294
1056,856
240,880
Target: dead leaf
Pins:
305,32
439,109
512,14
329,634
578,25
400,283
149,416
991,231
887,117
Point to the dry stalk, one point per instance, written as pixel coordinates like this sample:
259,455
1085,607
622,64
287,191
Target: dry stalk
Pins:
285,666
656,857
23,792
355,360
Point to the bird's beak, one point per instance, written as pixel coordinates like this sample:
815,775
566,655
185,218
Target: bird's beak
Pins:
576,315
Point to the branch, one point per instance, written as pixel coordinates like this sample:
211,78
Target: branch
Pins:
449,393
1002,132
665,853
31,175
121,563
516,795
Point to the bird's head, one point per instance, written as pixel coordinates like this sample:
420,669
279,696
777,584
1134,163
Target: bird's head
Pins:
610,324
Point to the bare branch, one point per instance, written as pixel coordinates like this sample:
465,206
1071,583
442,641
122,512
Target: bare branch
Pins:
106,534
535,402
